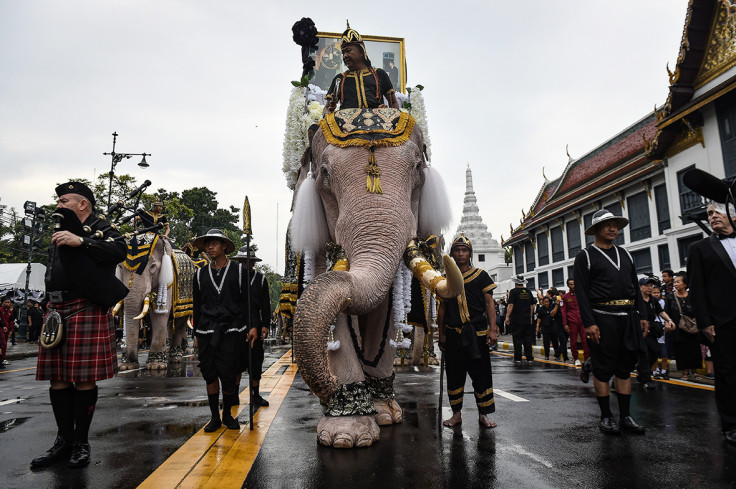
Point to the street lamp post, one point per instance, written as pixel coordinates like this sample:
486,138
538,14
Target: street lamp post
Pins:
31,223
117,158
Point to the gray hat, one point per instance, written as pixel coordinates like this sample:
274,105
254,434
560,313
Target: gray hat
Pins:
242,255
602,216
215,234
518,279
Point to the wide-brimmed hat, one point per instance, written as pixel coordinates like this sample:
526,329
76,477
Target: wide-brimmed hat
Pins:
518,279
604,215
242,255
214,234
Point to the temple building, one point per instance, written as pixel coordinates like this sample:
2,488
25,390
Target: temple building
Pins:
487,252
638,173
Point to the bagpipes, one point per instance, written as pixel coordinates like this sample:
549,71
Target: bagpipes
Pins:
713,188
67,220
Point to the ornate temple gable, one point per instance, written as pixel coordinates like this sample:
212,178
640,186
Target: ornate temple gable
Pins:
721,48
707,50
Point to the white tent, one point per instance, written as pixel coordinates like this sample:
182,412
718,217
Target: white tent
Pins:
13,279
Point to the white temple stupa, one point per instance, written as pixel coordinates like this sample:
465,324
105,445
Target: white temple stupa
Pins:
487,252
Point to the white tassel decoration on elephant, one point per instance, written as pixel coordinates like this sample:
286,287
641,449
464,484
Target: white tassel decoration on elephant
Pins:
434,206
165,279
309,229
332,343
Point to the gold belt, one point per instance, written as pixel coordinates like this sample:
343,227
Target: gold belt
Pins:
617,302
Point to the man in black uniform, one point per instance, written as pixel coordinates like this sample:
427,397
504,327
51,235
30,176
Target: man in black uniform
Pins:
260,304
613,314
219,320
711,268
81,287
362,86
467,328
150,218
519,317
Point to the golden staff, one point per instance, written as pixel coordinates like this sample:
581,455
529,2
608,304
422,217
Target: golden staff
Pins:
247,230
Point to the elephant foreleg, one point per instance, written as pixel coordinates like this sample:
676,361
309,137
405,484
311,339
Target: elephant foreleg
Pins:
380,378
350,421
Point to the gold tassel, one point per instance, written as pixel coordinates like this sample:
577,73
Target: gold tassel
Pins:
373,180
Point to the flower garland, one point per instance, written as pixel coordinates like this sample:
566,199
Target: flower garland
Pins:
298,119
401,307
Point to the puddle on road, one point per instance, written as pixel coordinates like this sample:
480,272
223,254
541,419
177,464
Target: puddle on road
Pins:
11,423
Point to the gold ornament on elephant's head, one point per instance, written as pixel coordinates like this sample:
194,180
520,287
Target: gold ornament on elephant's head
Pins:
246,217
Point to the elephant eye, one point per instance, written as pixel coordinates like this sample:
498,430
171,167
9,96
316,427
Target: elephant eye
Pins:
324,173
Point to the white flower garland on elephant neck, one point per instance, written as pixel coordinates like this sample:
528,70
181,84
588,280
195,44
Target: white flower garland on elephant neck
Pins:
401,307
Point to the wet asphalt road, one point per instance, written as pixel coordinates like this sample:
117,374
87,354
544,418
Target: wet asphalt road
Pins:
546,436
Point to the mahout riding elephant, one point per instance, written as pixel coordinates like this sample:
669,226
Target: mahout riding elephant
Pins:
160,282
368,193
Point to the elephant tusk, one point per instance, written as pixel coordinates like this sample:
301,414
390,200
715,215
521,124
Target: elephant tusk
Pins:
445,287
189,323
146,305
116,309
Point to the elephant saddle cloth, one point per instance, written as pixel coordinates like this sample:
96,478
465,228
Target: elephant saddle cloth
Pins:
184,270
371,128
139,249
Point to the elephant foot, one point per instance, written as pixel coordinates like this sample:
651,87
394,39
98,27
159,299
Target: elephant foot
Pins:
123,366
347,431
157,361
389,412
127,364
175,354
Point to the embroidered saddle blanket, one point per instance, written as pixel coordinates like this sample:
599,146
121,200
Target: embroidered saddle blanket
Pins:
139,249
369,128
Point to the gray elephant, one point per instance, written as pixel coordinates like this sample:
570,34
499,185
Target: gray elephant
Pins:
367,193
160,283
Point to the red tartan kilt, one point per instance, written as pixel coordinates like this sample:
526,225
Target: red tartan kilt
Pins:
87,351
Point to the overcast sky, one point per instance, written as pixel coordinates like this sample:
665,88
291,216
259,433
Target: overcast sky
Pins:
204,87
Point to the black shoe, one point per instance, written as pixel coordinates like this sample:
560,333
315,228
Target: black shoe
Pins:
585,371
608,426
730,436
259,401
80,456
648,386
230,423
517,363
213,425
60,451
628,424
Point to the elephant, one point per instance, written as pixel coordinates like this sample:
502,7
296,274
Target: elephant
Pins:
371,213
155,273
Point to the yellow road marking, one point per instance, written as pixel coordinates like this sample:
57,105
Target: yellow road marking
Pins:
224,458
17,370
671,381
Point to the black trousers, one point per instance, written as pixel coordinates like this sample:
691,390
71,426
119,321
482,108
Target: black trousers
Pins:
647,359
724,368
458,365
549,339
521,334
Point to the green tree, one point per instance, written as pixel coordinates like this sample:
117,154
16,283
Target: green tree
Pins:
507,256
274,283
207,215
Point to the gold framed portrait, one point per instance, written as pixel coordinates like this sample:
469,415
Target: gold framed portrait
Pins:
386,53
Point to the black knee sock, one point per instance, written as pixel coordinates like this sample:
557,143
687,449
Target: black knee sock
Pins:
624,400
84,408
214,402
62,402
605,405
227,403
255,390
